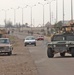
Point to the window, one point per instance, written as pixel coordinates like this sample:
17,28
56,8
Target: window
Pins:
6,41
58,38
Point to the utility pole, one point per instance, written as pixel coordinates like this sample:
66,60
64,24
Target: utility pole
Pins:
72,10
63,11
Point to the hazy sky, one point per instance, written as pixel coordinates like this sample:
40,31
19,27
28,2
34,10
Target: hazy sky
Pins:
37,12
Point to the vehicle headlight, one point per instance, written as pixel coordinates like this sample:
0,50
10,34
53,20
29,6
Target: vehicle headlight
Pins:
54,45
7,47
49,45
66,45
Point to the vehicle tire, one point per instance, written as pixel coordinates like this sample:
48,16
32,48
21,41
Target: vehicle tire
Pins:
50,53
35,44
72,52
25,45
62,54
10,53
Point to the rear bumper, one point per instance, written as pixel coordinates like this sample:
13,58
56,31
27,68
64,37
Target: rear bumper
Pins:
40,39
30,43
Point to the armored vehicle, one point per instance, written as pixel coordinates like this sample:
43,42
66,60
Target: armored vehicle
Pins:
61,43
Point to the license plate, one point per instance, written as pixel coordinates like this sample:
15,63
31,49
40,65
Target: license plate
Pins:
30,43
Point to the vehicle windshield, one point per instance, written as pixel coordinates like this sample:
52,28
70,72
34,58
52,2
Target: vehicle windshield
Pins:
4,41
58,38
70,38
30,38
63,38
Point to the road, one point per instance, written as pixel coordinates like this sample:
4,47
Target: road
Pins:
50,66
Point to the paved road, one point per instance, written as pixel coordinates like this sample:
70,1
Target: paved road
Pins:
50,66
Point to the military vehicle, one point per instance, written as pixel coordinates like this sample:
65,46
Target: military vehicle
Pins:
62,43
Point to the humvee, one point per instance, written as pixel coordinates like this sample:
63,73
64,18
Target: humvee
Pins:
61,43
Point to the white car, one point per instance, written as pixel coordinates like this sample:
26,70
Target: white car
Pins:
30,40
5,46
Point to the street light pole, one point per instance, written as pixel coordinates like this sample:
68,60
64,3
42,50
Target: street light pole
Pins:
50,11
43,15
22,12
43,12
72,10
63,11
49,2
56,11
31,15
5,16
14,16
22,15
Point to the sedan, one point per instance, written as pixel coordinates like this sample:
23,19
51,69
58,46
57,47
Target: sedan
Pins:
40,38
5,46
30,40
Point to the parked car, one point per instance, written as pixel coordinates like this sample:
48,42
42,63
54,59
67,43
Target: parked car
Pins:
40,38
30,40
5,46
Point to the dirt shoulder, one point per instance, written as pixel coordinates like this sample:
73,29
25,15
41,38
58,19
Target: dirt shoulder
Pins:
20,62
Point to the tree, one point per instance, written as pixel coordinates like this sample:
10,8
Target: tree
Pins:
58,26
47,25
8,24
